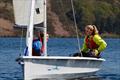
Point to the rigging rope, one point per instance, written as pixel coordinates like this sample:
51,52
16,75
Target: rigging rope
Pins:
76,26
62,9
21,41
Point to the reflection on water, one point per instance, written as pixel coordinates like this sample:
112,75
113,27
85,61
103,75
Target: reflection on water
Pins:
100,77
85,78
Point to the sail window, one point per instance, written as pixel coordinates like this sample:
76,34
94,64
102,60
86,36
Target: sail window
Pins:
37,10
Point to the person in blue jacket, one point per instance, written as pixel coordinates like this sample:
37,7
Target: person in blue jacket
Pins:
37,44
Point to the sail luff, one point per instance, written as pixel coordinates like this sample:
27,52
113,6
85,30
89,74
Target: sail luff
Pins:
45,28
30,28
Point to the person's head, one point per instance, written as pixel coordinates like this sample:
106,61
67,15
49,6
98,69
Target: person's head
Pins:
38,34
91,30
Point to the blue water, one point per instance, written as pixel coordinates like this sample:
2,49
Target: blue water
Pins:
10,48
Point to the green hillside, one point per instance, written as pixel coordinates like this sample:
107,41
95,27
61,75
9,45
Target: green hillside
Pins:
105,14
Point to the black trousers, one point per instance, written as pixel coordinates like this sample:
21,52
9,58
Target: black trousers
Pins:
89,54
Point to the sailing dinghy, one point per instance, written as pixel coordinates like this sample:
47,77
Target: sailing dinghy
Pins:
31,12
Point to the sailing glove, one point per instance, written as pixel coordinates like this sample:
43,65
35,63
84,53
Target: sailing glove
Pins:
95,52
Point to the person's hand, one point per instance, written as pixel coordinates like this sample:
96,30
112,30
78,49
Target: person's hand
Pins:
95,52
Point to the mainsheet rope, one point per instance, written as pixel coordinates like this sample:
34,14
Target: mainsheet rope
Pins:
63,11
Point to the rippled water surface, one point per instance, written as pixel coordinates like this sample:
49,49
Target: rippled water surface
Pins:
10,49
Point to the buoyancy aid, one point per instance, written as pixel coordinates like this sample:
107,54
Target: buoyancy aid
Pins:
37,47
37,44
90,43
42,48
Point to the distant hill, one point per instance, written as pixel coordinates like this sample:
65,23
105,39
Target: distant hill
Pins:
105,14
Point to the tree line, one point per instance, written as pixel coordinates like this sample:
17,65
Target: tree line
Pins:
105,14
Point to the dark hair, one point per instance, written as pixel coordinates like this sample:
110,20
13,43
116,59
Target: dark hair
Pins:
41,35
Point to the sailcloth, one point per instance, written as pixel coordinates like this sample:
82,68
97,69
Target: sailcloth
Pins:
22,12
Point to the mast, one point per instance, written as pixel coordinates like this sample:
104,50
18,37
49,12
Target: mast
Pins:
45,28
30,28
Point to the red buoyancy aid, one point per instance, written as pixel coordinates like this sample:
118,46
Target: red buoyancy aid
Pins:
42,48
90,43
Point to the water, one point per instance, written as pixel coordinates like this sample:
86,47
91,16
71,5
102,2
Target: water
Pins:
11,48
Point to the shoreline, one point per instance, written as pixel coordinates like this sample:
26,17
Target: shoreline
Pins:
103,35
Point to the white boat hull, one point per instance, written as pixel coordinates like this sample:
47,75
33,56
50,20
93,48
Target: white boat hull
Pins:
59,67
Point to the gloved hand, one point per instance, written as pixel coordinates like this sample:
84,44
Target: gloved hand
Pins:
95,52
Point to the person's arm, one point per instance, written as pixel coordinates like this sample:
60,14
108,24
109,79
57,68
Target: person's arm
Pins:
84,47
100,42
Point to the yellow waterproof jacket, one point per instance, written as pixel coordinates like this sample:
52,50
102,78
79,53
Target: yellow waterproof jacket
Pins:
99,42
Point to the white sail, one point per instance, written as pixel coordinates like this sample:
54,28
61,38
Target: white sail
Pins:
22,11
23,16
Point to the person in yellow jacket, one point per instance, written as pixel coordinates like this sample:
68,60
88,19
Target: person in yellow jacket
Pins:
93,44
